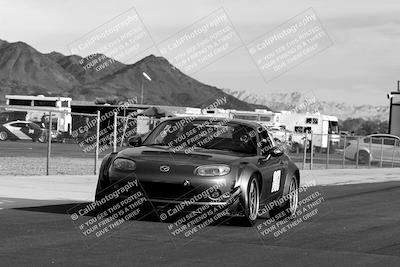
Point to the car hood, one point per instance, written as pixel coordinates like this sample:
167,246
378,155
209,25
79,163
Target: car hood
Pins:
166,155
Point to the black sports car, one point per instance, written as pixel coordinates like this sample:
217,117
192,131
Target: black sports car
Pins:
232,160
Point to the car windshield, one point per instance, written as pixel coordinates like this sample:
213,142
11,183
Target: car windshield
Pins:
187,135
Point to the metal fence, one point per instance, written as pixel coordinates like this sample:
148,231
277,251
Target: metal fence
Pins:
72,143
317,151
38,141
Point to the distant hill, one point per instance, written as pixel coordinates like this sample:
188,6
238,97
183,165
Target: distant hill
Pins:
304,102
24,70
22,65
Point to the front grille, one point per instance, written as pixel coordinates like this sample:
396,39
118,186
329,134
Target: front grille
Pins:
167,191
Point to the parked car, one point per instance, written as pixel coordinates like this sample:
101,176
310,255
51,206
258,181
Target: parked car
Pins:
297,142
374,148
22,130
289,141
281,137
279,134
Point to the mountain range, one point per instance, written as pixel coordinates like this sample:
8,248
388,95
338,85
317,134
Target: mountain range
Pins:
308,102
26,71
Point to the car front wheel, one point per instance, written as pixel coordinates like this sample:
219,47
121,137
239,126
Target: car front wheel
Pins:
42,138
293,196
253,202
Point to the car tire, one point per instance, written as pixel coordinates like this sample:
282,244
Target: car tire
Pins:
290,206
42,138
253,202
3,136
363,157
292,203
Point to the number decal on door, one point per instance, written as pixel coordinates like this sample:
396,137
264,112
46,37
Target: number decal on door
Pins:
276,181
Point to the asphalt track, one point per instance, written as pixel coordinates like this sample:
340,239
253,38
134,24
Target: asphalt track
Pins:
357,225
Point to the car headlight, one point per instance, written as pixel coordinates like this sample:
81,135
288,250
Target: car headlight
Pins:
212,170
124,164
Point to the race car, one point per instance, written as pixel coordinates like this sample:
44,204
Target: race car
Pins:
22,130
184,157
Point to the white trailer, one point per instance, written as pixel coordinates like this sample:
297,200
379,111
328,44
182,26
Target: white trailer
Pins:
38,108
321,126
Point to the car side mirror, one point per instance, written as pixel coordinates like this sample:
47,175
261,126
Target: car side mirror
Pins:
276,152
271,153
135,141
268,152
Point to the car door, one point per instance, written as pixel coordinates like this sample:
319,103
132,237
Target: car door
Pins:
28,130
272,168
397,150
34,131
389,148
375,147
19,129
382,147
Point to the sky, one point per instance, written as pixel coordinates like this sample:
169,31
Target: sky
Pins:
360,66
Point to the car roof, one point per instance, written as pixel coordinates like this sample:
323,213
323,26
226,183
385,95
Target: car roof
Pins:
12,122
19,122
384,135
252,124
